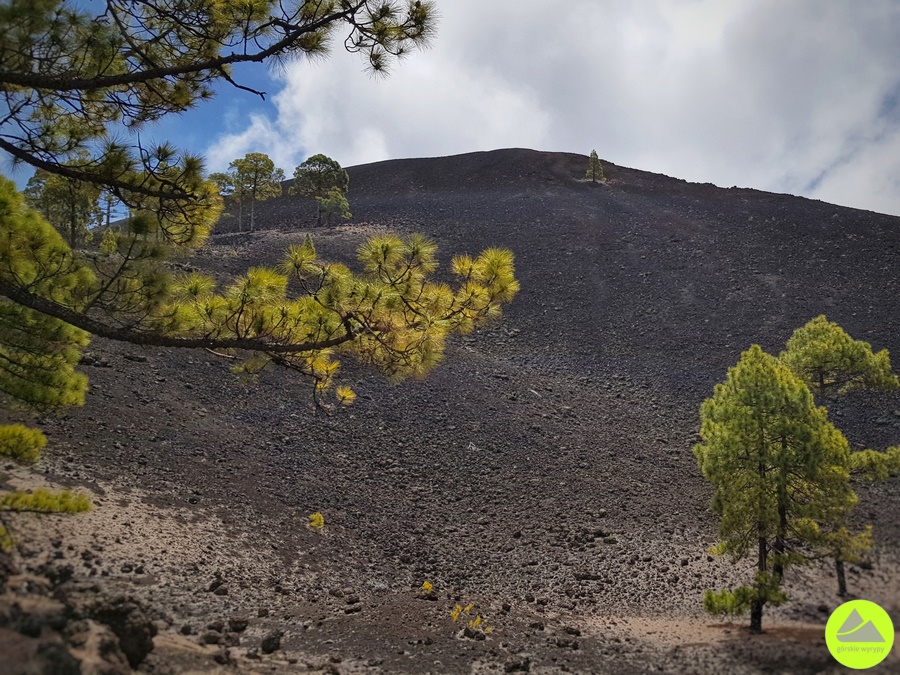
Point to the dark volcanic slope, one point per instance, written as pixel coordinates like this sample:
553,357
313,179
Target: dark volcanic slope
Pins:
550,456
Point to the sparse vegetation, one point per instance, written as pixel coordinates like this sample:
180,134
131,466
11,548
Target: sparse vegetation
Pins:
476,627
24,445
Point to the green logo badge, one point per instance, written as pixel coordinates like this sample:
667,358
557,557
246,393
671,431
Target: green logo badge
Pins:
859,634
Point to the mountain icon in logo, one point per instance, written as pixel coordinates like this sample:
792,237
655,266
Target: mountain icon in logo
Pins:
856,629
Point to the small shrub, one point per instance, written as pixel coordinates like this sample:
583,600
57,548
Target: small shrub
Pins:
475,625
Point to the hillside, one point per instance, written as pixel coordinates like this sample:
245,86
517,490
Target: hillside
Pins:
544,471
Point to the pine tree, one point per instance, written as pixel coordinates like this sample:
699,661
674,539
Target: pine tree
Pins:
334,205
779,469
71,206
823,355
224,181
318,177
826,357
595,169
38,353
255,176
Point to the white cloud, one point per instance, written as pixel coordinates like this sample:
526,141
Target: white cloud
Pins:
780,96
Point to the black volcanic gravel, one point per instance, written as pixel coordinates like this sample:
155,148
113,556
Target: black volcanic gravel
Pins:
547,463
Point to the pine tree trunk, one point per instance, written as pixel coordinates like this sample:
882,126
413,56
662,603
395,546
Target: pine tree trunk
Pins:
252,211
756,607
841,577
240,214
778,545
756,612
72,229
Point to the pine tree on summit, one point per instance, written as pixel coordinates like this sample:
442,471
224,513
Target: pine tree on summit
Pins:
595,169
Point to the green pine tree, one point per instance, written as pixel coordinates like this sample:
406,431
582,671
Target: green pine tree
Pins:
595,169
779,468
71,206
319,177
255,176
334,205
825,357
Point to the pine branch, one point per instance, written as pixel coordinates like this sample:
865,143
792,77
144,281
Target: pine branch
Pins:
145,338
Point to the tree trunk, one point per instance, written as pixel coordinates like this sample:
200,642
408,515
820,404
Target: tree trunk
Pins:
756,607
72,228
778,545
841,577
252,210
781,536
756,612
240,214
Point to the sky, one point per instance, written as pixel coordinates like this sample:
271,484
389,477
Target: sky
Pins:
793,96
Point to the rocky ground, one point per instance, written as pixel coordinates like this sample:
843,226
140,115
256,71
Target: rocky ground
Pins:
543,473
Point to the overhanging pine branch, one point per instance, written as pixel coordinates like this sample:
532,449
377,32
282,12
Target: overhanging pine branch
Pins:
100,329
68,83
87,177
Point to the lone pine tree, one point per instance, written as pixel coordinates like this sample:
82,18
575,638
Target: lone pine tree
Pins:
779,469
334,205
595,168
